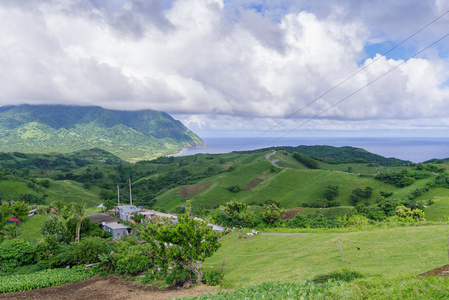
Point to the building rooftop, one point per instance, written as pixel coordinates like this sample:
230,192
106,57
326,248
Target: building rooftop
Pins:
100,218
116,226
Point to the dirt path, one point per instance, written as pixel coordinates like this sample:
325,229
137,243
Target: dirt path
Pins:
111,288
286,233
273,162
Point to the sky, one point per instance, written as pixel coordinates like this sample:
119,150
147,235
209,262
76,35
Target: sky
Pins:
236,67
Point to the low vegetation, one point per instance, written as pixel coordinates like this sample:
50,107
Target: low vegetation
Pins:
41,279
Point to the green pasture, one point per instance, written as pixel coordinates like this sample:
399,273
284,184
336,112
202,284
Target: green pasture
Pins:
9,187
439,211
292,187
72,192
292,258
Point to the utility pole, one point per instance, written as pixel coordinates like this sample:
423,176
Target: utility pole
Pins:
118,195
130,193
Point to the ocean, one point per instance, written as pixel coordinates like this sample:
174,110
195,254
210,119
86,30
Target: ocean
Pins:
416,150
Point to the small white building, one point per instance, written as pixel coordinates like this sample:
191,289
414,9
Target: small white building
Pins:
116,230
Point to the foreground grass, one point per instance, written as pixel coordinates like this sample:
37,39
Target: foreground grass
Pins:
295,258
405,287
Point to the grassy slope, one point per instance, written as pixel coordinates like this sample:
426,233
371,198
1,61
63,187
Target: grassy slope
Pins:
386,251
69,191
29,228
72,192
11,187
293,186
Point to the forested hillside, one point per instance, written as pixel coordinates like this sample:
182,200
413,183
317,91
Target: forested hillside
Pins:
131,135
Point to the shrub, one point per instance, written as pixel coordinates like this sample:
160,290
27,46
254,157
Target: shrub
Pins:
212,277
133,260
178,275
299,221
234,188
85,251
15,253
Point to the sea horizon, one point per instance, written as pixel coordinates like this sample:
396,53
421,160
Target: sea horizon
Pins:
414,149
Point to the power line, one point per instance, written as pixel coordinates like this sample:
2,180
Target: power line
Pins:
363,87
345,80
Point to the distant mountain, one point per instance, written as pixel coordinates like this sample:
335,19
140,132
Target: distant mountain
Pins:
131,135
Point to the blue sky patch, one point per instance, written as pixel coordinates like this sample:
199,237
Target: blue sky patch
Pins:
401,52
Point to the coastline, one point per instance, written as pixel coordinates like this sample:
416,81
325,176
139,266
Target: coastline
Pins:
417,149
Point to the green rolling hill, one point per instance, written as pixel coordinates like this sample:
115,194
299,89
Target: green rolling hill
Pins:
294,186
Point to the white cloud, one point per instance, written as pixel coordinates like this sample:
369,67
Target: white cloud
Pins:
225,65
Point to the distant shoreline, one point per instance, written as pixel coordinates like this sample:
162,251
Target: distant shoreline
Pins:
419,149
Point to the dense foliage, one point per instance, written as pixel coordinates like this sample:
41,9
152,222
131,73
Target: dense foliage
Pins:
15,253
187,243
306,161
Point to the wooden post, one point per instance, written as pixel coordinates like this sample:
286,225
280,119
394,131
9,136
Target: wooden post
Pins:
447,232
341,250
224,260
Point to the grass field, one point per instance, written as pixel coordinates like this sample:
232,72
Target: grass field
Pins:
14,187
292,187
439,211
72,192
291,258
29,228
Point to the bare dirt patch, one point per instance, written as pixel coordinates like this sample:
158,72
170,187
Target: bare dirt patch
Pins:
111,288
227,166
189,191
436,272
255,182
291,213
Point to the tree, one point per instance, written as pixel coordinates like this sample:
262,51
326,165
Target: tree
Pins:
59,207
188,243
233,207
79,214
272,214
137,218
109,204
236,214
55,227
358,194
19,209
331,192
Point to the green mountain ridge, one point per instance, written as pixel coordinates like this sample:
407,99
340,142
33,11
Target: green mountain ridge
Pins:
131,135
338,155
